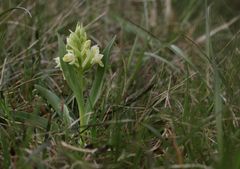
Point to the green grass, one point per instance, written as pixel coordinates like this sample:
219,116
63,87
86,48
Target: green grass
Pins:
169,98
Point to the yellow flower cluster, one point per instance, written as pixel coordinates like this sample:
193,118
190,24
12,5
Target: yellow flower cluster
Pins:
80,53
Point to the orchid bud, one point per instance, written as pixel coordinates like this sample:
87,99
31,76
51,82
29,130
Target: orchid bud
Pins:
71,59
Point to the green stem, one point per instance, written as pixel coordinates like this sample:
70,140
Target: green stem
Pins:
80,102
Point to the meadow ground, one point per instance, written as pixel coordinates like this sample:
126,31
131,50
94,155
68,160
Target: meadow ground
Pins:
170,97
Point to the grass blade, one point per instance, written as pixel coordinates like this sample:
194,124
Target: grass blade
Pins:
56,103
179,52
217,100
4,142
31,119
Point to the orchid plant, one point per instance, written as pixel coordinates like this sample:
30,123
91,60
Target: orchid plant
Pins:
75,58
